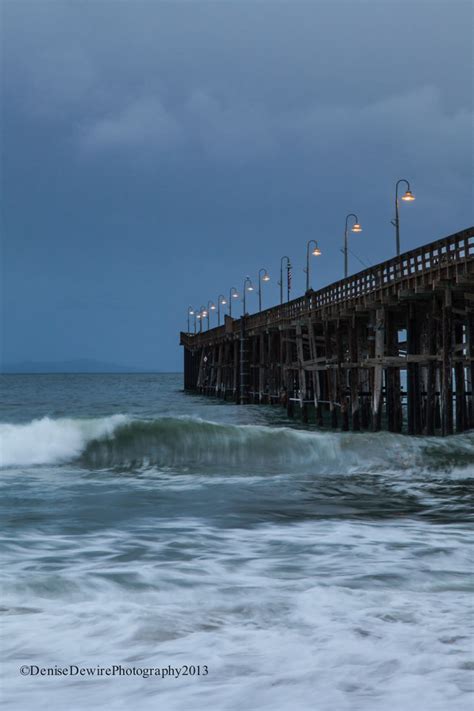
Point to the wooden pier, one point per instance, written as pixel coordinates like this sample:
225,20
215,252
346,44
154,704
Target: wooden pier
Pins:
391,347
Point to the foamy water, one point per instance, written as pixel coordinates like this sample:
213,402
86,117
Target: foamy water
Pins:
306,570
48,441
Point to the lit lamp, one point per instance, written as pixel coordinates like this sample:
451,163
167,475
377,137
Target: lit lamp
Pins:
355,228
210,307
263,275
201,316
408,197
316,252
233,294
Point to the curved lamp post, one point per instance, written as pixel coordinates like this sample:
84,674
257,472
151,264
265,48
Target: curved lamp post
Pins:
210,307
355,228
202,315
221,300
191,312
316,252
233,294
248,286
263,275
288,278
408,197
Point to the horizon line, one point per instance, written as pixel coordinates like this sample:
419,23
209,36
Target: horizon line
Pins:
92,372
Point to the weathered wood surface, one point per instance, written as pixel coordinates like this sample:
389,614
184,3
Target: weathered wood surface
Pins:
391,346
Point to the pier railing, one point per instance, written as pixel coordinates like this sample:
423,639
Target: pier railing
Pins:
437,259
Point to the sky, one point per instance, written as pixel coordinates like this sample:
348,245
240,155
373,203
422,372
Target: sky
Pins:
154,154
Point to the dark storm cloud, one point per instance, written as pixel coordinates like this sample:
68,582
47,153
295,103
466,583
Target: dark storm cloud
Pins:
231,130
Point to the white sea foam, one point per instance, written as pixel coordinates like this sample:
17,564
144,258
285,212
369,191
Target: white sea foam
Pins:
279,621
49,441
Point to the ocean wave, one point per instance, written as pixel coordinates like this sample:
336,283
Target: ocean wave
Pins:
193,444
49,441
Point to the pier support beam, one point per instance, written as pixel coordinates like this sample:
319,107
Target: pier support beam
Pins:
244,365
447,369
413,374
470,368
354,374
378,368
430,411
392,376
459,375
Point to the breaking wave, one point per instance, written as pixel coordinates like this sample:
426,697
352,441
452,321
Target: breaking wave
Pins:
48,441
189,443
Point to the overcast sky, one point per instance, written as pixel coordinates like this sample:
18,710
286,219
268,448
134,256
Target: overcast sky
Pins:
154,154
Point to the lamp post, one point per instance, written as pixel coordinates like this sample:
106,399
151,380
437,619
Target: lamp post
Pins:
233,294
408,197
316,253
263,275
202,316
248,286
210,307
220,300
288,278
191,312
355,228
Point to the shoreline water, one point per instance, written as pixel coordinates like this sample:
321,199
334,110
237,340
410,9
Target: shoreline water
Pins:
301,567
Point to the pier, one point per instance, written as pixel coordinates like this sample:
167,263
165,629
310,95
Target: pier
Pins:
391,347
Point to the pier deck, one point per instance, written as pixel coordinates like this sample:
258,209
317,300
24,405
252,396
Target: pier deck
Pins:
389,347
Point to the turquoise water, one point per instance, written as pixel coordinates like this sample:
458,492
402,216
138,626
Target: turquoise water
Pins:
149,529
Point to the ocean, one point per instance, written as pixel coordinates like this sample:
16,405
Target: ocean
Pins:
162,550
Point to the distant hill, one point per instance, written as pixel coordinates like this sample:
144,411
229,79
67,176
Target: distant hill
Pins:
79,365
